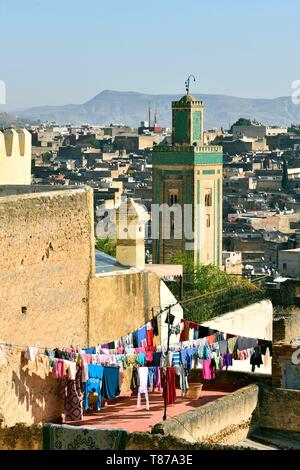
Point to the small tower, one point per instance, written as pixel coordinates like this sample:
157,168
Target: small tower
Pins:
130,224
15,157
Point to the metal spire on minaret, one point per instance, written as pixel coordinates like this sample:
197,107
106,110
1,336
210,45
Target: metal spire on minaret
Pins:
187,83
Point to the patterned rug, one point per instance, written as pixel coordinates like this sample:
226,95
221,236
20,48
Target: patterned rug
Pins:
65,437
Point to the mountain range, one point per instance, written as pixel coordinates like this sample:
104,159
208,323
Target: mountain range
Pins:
130,108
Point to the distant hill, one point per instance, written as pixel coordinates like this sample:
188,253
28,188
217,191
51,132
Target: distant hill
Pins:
130,108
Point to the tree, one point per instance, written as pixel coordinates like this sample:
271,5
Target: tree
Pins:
208,291
241,122
107,245
285,176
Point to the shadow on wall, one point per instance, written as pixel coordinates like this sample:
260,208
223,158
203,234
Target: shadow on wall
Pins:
36,392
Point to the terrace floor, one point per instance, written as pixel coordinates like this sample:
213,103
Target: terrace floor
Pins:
122,413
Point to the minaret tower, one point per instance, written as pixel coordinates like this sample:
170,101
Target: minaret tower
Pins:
187,179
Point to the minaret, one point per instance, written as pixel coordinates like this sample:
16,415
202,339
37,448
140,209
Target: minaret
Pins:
130,223
187,179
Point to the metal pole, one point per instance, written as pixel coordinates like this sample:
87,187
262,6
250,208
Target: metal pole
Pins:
181,287
167,358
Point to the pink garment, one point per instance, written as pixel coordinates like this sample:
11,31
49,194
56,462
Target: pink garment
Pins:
139,350
120,351
87,358
208,372
59,368
103,358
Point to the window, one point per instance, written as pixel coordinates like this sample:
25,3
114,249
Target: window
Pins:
207,220
173,197
284,266
208,197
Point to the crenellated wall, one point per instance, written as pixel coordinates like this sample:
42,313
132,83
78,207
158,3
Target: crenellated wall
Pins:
15,157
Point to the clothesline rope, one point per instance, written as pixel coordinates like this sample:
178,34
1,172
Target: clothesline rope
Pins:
162,310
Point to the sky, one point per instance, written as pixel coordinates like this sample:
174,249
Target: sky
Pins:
67,51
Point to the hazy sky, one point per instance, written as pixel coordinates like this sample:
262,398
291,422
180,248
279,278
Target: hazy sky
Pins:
67,51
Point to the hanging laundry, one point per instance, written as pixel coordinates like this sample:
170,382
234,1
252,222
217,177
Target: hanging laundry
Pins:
231,344
156,359
154,323
176,359
143,386
90,350
70,368
223,347
169,392
30,353
185,330
125,385
154,378
141,357
149,358
58,368
227,360
264,344
149,334
71,392
135,340
110,382
267,358
93,384
187,356
209,369
211,339
256,359
170,318
135,381
131,359
141,334
183,379
246,343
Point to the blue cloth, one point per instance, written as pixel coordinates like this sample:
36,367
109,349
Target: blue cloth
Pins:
176,358
206,352
187,357
110,382
152,375
141,334
93,384
141,359
90,350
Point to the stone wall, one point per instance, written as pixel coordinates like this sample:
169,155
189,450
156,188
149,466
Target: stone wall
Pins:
46,260
254,321
279,409
208,422
120,303
286,324
21,437
28,394
231,379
